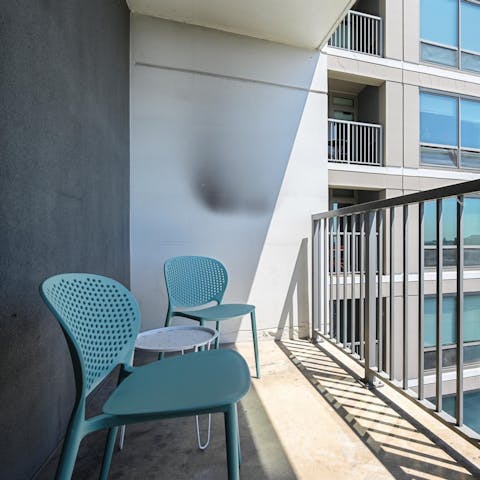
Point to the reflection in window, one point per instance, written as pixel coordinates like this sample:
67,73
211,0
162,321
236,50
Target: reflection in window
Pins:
445,23
471,230
471,326
441,118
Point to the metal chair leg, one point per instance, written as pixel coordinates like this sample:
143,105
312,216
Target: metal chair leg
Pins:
255,342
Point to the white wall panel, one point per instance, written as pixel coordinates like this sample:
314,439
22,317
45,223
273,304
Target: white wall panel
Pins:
224,163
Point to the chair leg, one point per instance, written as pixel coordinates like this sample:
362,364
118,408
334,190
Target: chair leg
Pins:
69,454
231,436
107,456
255,342
239,447
217,340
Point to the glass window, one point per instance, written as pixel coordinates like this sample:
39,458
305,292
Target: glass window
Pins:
439,21
470,118
449,33
471,226
470,15
436,54
438,119
471,319
448,321
441,117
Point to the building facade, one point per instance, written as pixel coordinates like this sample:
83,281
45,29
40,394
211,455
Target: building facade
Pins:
404,116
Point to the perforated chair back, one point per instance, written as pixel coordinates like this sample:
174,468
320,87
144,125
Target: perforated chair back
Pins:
100,319
193,281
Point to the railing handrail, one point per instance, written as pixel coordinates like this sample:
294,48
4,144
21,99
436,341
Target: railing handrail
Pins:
362,14
352,122
454,190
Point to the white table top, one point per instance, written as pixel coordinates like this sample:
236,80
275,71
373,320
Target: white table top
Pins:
175,339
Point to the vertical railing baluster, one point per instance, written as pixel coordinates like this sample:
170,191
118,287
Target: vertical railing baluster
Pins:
421,298
380,293
361,306
352,295
326,289
332,267
345,265
405,297
337,280
392,294
439,305
315,277
370,296
459,319
349,34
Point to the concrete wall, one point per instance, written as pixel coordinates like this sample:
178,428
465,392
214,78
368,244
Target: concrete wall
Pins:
64,193
227,142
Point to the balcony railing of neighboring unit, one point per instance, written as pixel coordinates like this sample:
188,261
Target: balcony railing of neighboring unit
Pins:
359,32
354,142
369,296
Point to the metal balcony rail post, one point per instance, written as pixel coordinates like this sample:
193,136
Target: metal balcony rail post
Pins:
353,251
359,32
459,319
370,296
354,142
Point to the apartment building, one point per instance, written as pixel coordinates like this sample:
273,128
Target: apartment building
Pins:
404,116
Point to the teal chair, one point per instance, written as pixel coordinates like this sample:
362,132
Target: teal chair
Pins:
197,281
100,320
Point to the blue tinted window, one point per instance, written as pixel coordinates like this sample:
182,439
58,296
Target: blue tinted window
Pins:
439,21
449,219
470,116
471,221
470,15
438,119
448,321
471,319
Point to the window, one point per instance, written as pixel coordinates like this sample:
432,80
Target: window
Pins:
449,130
471,231
449,33
471,325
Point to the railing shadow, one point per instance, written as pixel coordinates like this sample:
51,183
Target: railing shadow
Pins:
404,446
167,449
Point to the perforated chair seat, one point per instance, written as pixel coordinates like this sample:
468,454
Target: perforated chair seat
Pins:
217,313
189,391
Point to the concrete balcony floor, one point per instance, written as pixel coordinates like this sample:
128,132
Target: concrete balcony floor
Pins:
307,418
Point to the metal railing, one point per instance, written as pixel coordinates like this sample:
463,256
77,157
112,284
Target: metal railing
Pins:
359,32
368,294
354,142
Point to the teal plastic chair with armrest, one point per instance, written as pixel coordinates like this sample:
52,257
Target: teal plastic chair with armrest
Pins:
194,281
100,320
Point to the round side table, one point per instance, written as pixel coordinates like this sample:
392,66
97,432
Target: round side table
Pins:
179,338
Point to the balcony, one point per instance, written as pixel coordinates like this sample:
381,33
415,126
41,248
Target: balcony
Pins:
359,32
354,142
371,290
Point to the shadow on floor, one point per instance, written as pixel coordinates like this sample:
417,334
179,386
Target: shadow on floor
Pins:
167,449
406,448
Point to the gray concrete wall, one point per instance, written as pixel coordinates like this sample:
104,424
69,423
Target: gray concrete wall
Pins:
64,190
228,137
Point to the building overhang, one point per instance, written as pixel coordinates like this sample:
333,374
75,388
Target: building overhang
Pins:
300,23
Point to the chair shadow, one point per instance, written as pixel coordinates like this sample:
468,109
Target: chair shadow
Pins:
168,448
404,446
